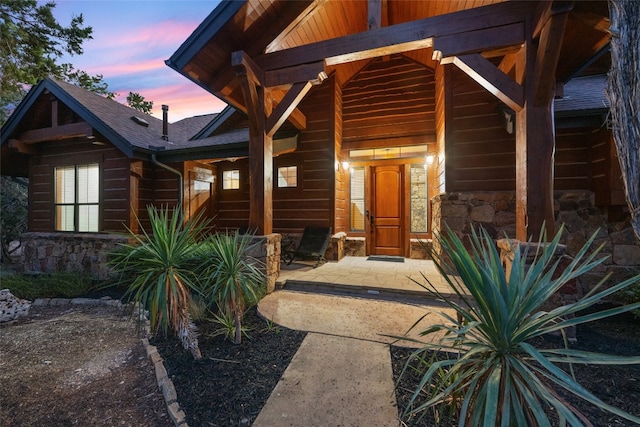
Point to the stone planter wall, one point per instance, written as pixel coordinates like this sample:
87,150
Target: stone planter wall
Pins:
85,253
266,249
576,210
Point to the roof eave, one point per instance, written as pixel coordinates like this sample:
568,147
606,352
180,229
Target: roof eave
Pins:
213,23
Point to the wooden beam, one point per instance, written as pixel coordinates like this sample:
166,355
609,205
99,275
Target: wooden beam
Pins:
73,130
54,113
478,41
296,74
260,144
547,57
535,146
546,10
377,11
241,61
22,147
286,106
397,38
490,78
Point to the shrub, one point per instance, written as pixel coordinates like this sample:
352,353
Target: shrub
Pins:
56,285
232,278
488,363
161,272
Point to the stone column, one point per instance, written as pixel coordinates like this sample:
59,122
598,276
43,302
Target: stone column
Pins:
266,249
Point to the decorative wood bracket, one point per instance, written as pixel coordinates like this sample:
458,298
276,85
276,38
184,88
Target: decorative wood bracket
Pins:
491,78
303,77
286,107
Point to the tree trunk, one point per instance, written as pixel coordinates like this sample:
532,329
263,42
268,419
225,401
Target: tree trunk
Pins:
188,335
238,327
624,97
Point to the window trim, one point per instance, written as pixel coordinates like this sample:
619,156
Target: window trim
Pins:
278,176
223,181
76,204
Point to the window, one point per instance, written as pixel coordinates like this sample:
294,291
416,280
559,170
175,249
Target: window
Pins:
231,179
419,199
77,198
288,176
356,205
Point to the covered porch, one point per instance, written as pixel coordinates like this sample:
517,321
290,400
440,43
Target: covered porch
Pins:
366,277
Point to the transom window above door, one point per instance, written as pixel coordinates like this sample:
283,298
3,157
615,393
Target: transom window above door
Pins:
386,153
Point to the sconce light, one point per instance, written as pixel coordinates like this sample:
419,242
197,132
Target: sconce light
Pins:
345,165
430,158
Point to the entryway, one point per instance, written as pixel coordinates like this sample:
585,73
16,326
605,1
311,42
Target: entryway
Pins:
385,216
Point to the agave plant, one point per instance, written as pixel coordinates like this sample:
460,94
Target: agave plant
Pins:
233,280
497,376
160,271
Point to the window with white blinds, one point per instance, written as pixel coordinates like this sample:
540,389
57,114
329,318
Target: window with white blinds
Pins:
77,198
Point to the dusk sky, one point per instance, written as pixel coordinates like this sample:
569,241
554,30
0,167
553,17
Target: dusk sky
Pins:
131,41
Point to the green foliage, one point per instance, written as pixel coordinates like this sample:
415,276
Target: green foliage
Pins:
137,101
13,221
632,295
160,270
32,43
59,285
232,279
226,324
498,377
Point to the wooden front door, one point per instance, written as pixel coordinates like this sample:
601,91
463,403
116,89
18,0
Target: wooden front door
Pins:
386,214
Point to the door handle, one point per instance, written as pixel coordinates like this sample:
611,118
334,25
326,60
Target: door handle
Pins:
372,218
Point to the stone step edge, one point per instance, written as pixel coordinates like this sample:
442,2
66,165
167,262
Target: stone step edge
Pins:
165,385
363,291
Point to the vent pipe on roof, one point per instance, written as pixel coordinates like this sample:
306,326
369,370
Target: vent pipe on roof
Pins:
165,122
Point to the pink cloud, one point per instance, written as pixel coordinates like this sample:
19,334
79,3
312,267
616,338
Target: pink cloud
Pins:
165,33
127,68
184,100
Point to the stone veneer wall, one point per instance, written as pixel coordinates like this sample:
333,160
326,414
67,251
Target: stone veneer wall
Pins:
86,253
576,210
266,249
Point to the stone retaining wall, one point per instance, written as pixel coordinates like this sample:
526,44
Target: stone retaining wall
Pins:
86,253
576,210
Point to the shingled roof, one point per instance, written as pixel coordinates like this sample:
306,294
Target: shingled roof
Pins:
113,120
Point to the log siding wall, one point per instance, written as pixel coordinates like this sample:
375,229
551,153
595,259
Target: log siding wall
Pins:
114,191
389,99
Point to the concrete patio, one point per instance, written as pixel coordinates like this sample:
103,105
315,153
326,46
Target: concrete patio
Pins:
359,276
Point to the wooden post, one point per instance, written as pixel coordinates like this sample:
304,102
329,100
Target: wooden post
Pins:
260,145
535,131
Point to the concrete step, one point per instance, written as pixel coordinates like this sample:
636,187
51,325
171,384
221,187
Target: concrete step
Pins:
361,291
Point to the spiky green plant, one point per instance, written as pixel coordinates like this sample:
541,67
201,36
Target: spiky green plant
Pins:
226,324
501,379
160,270
233,279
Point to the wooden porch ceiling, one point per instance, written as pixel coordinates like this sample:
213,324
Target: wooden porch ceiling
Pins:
260,27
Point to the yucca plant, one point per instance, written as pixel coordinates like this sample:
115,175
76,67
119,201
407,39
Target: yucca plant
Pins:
233,279
160,270
499,377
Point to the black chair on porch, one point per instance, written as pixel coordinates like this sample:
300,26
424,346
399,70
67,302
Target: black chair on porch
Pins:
312,245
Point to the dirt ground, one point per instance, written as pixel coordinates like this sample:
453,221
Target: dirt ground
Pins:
77,365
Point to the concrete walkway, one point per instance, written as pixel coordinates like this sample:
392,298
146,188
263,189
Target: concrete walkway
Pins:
341,374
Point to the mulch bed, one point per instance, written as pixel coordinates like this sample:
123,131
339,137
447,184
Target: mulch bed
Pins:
616,385
231,383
